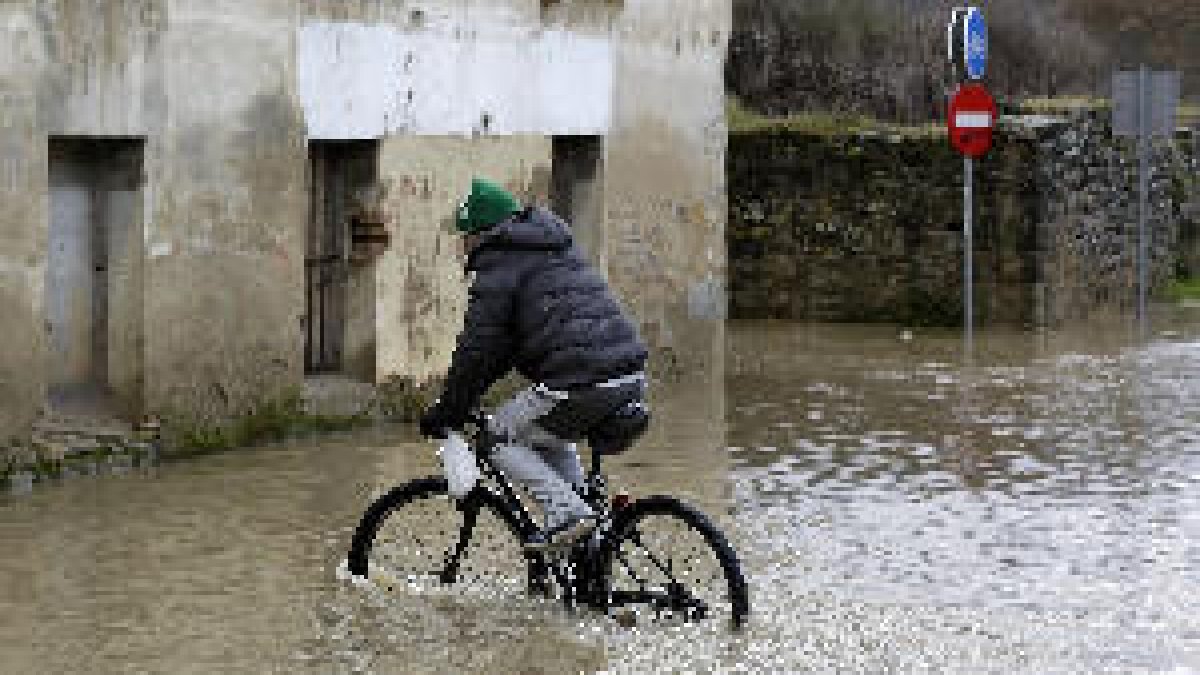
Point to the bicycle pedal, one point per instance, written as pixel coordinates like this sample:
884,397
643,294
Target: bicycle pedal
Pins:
626,618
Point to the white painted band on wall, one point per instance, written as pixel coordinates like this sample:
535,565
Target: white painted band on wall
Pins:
973,120
360,81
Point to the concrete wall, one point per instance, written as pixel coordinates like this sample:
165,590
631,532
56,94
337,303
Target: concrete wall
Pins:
421,281
225,94
221,214
225,234
21,170
665,190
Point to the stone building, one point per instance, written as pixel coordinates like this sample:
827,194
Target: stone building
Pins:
187,187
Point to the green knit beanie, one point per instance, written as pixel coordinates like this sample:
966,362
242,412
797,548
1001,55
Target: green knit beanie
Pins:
487,205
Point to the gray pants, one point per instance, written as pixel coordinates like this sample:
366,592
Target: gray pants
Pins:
537,460
544,462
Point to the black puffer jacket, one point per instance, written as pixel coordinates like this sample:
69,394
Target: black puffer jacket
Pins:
537,305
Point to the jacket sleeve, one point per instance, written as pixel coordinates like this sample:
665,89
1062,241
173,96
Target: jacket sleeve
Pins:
484,351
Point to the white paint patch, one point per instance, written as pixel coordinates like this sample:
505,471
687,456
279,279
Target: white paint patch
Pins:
359,81
160,249
973,120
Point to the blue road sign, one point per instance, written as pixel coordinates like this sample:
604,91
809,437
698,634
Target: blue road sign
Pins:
975,43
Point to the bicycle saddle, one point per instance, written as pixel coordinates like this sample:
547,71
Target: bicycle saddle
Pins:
617,432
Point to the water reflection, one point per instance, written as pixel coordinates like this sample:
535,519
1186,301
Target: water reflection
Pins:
1051,485
1036,512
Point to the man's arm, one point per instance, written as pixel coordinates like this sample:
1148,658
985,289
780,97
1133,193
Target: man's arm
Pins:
485,346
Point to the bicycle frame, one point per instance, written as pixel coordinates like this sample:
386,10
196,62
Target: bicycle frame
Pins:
594,493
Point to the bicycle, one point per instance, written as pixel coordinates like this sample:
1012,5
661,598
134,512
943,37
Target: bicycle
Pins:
597,573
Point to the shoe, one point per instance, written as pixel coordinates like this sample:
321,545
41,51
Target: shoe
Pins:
564,535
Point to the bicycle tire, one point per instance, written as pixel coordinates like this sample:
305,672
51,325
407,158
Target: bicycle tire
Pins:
365,538
628,524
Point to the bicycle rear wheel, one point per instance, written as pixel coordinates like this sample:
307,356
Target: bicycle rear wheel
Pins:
667,561
417,537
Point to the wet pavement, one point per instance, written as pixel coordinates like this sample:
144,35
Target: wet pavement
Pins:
897,510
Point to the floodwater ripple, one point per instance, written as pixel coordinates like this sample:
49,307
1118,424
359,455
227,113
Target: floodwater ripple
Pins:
897,509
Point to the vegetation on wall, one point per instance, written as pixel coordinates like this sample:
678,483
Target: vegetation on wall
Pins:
1184,289
274,420
887,58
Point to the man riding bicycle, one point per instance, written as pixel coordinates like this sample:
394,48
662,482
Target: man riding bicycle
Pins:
536,305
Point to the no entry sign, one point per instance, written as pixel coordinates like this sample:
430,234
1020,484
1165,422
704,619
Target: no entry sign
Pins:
971,118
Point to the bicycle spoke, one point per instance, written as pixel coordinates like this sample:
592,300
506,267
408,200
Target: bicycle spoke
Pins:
665,569
419,537
661,561
629,569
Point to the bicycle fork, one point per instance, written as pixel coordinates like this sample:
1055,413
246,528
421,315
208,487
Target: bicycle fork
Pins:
470,510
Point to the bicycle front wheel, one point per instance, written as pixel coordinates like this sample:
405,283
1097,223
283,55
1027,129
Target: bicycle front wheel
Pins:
417,537
665,561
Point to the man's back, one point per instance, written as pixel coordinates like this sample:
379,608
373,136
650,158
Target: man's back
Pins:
566,328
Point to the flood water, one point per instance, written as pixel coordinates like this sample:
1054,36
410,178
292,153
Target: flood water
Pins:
897,510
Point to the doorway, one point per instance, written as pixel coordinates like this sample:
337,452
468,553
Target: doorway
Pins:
339,296
93,274
577,191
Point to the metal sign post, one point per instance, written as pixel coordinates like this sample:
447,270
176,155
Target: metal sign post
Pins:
1144,107
971,120
968,251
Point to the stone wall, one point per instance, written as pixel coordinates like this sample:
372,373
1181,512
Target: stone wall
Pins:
1089,226
1189,230
868,227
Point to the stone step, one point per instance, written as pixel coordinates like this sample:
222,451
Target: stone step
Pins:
75,437
58,452
73,418
99,437
83,431
83,425
59,438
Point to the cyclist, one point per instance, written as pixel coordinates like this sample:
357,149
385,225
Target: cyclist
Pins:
536,305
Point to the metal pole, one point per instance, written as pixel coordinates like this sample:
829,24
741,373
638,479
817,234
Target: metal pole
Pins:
968,249
1141,150
964,439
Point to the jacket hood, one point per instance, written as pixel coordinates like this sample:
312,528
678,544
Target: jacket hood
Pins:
534,229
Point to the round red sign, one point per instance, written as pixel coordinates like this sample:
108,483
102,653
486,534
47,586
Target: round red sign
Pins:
971,119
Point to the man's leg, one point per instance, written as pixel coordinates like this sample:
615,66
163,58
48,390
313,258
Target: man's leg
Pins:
563,457
529,468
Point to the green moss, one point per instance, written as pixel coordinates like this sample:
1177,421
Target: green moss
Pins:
45,468
1184,289
741,120
1185,112
273,421
1062,104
